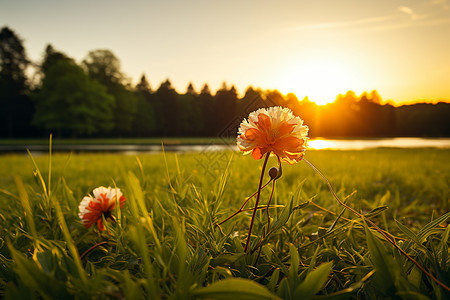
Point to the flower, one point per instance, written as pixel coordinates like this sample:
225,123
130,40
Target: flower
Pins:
102,204
275,130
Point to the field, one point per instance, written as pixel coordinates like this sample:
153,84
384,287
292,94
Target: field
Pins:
165,242
121,141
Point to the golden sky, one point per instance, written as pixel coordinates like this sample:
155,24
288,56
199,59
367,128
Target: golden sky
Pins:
312,48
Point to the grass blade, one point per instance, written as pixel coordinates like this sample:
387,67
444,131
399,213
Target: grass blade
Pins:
237,288
313,282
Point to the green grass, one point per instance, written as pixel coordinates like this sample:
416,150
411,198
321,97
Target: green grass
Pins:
166,245
121,141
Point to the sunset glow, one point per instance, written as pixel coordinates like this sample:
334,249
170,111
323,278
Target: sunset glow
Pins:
321,80
317,49
319,144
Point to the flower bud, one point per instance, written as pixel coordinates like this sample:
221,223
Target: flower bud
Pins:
273,173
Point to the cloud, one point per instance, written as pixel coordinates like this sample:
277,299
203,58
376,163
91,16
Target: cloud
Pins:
406,10
411,13
396,26
341,24
395,21
443,3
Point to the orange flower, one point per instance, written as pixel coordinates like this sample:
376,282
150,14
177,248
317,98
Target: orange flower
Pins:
102,204
275,130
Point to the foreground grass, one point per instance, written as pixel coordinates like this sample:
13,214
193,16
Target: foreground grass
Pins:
166,245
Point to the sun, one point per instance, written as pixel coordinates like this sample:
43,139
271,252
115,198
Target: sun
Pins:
321,80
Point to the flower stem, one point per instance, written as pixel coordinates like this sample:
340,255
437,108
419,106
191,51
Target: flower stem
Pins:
268,205
257,201
243,205
92,248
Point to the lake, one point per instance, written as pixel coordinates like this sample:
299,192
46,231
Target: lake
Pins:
315,144
359,144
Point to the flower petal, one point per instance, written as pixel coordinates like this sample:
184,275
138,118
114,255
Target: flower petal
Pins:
91,209
264,122
256,153
274,129
285,129
100,225
253,134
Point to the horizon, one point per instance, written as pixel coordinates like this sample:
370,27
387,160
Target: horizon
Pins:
399,48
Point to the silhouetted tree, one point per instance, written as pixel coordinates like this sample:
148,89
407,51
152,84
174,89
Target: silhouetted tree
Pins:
375,97
252,100
368,116
206,102
144,123
71,103
308,111
225,108
190,89
104,66
275,98
125,109
104,103
51,56
166,97
423,119
190,119
144,86
291,100
389,120
15,106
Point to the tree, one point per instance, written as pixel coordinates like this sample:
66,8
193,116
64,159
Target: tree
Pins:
71,103
125,109
51,56
191,117
275,97
190,89
144,122
225,108
375,97
15,106
206,102
167,107
104,66
252,100
143,86
308,111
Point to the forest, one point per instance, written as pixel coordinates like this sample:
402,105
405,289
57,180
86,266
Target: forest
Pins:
95,98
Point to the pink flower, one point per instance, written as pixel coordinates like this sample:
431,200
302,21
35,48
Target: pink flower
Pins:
275,130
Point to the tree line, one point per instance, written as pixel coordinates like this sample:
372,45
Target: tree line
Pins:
95,98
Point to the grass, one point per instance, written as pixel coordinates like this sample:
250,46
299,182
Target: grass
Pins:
165,243
121,141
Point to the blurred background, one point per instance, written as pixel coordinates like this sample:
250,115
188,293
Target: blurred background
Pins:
97,69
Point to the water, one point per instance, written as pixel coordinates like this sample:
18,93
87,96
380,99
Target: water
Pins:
360,144
315,144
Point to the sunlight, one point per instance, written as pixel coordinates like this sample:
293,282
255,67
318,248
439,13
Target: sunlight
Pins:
321,80
319,144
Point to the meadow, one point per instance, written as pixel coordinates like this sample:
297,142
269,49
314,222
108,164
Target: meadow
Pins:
166,244
119,141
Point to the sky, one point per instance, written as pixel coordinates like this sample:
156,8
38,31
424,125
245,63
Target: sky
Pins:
401,48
